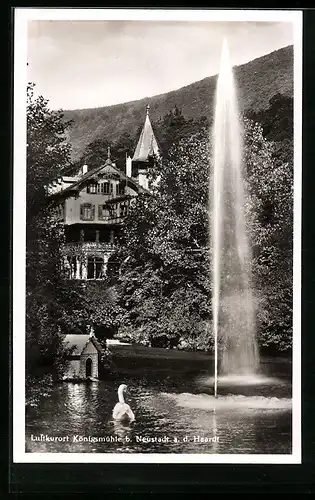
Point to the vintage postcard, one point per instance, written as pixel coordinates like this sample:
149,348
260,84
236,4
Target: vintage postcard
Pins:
157,236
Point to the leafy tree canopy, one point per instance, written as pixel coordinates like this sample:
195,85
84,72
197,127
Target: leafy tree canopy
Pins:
48,153
165,284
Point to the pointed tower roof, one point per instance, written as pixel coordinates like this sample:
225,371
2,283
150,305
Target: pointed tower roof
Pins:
147,144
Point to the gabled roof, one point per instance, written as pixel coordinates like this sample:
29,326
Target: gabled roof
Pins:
80,183
79,342
147,144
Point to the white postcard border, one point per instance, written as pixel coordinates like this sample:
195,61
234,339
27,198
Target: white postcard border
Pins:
21,18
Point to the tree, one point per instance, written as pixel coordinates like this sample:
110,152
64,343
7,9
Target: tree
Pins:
165,284
96,153
270,185
174,127
277,126
47,156
169,130
277,119
100,308
125,145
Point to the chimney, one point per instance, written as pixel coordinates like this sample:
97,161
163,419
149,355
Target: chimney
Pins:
128,166
92,334
84,169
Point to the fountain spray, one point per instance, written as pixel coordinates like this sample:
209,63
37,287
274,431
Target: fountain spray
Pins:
232,299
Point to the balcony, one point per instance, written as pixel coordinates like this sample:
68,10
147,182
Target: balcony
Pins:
87,247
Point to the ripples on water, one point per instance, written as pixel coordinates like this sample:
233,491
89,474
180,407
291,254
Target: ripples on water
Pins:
179,413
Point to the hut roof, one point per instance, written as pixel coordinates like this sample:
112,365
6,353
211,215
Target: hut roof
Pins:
79,342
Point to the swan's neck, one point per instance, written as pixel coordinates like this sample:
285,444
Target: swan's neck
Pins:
121,396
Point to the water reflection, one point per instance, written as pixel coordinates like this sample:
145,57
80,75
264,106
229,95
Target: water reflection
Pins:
175,415
122,430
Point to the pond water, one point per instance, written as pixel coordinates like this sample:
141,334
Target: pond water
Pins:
175,413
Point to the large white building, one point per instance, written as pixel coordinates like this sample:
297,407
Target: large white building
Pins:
92,206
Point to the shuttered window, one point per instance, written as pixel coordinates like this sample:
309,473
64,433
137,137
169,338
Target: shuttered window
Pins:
87,211
103,212
105,187
92,188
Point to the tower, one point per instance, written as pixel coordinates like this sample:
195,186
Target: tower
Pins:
146,148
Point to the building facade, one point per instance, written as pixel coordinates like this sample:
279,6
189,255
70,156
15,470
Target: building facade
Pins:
92,206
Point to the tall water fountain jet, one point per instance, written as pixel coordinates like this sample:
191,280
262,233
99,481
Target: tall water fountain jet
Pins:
232,298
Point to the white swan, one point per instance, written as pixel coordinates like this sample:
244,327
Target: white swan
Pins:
122,411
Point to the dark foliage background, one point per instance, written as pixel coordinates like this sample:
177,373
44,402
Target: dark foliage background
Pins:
165,289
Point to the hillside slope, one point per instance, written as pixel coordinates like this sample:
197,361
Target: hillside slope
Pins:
257,82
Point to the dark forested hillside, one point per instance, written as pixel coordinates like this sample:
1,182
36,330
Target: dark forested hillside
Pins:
258,81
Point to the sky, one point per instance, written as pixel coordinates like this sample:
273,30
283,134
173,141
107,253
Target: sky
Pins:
86,64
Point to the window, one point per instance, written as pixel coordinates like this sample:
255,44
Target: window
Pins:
95,267
123,209
103,212
92,188
108,212
87,211
121,188
105,187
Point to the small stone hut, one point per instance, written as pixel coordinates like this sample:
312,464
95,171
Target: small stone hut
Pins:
84,360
